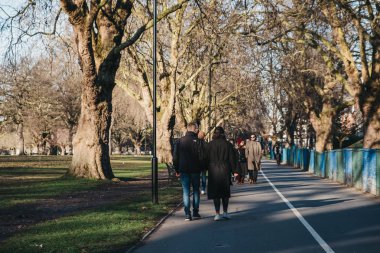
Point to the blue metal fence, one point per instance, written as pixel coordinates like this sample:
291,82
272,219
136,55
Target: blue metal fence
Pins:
369,170
359,168
347,167
332,165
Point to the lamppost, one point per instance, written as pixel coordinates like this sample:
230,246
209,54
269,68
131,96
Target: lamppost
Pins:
154,157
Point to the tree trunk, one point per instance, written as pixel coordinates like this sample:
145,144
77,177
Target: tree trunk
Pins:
290,124
71,134
164,151
322,125
290,134
370,107
110,137
20,139
99,63
63,150
90,145
323,139
372,131
137,148
180,119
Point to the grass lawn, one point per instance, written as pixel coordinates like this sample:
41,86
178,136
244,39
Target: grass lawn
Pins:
109,224
141,167
31,178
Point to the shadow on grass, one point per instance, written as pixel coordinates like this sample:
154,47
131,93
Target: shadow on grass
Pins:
36,189
111,228
13,193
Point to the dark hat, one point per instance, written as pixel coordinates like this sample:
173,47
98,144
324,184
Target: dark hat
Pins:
219,129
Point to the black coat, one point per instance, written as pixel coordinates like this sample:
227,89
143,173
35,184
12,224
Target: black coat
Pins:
220,163
202,154
186,155
242,162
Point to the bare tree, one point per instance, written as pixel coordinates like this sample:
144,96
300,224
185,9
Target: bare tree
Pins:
15,93
346,36
129,123
100,34
173,49
68,99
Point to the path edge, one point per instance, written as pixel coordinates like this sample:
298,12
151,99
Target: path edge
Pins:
158,224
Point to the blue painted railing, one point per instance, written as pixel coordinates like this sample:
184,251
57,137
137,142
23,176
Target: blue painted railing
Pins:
359,168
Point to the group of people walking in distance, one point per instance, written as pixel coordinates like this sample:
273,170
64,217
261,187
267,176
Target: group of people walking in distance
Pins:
194,158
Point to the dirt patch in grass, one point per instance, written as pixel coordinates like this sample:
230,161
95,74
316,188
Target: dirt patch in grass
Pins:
21,216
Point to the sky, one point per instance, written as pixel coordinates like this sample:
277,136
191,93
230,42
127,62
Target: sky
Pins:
30,46
8,7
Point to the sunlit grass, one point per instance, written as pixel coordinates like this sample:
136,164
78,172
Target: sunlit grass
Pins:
31,178
107,229
142,167
110,228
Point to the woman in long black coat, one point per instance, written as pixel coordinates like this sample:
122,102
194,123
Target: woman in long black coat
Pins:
221,161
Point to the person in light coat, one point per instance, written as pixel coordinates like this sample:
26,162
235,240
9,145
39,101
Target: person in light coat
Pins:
253,153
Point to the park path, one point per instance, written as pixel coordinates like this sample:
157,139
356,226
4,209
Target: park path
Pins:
290,211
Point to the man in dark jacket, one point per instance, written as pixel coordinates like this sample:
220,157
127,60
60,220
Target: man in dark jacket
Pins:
186,161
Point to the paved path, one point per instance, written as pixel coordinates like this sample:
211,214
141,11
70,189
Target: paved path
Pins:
305,214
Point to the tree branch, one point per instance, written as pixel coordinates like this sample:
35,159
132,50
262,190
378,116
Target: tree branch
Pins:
47,33
147,26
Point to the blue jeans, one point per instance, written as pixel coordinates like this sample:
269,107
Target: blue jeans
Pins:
194,180
203,180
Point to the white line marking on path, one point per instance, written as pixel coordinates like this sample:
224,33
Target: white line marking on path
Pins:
314,233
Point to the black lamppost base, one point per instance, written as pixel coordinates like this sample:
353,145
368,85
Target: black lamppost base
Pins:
154,180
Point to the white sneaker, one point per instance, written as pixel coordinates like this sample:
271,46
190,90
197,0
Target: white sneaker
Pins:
226,216
203,192
217,217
